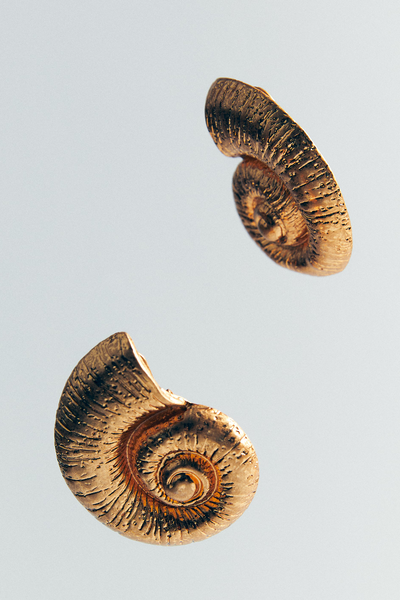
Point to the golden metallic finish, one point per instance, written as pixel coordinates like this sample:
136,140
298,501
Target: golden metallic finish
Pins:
285,193
145,462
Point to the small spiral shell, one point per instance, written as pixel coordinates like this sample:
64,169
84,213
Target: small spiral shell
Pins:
285,193
145,462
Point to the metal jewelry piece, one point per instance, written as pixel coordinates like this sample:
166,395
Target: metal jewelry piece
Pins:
285,193
145,462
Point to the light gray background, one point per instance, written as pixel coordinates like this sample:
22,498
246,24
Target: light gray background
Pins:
117,214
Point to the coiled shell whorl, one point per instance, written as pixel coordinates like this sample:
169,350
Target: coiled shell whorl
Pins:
145,462
285,193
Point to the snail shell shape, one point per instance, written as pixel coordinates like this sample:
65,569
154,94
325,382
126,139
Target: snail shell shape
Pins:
285,193
145,462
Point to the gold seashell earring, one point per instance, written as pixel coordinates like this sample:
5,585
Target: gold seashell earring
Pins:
285,193
145,462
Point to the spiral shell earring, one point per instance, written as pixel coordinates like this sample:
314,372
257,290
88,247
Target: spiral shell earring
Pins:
145,462
285,193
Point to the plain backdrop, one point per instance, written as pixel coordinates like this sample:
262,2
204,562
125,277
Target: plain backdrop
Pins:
117,215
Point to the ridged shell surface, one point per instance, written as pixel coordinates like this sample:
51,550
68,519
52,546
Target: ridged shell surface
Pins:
285,193
145,462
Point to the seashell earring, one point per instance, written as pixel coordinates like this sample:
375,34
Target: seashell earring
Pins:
285,193
145,462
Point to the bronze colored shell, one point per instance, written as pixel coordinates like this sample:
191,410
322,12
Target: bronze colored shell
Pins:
145,462
285,193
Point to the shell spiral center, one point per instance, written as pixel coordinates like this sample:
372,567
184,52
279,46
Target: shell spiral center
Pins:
186,478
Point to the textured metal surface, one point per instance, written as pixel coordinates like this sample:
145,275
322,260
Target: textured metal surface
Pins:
145,462
285,193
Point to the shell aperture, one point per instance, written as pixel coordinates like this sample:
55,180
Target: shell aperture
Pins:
145,462
285,193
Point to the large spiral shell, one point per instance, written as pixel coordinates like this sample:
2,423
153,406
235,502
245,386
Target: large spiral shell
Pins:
285,193
145,462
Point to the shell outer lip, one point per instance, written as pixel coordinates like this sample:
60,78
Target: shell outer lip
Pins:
244,121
